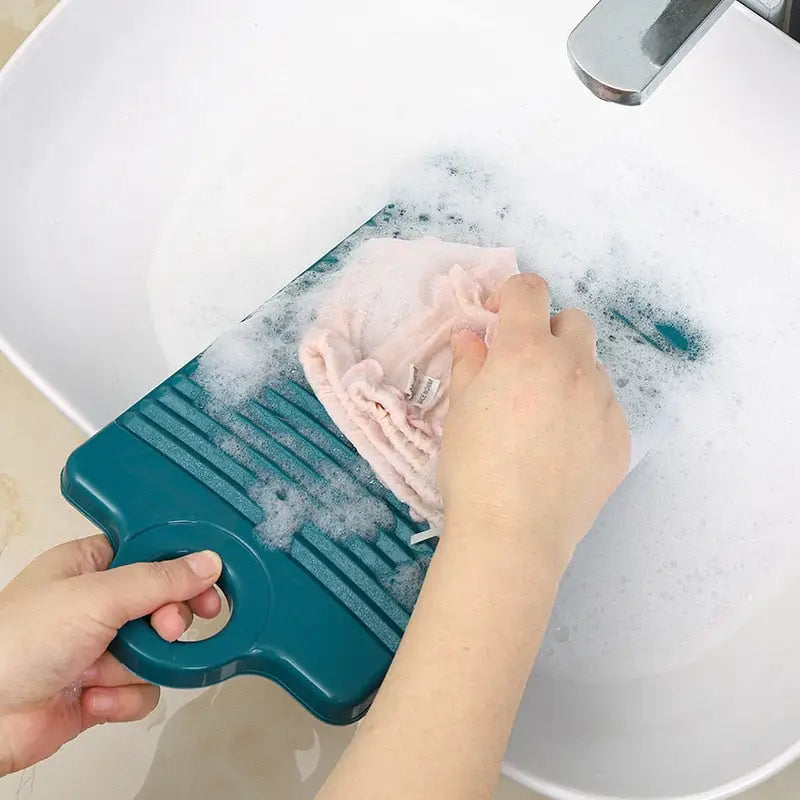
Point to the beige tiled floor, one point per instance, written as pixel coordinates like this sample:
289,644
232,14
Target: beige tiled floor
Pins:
17,19
245,739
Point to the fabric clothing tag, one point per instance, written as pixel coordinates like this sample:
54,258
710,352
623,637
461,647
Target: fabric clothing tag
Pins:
423,536
421,391
413,377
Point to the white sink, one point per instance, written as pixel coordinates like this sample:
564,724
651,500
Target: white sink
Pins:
164,167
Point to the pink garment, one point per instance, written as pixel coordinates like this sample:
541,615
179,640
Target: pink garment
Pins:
378,356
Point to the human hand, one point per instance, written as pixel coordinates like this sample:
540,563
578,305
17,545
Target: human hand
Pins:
57,618
535,441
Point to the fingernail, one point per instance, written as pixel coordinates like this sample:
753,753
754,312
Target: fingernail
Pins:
205,564
102,703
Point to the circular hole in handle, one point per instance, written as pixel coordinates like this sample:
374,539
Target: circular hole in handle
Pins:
245,583
204,628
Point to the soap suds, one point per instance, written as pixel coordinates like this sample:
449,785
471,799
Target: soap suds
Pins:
453,198
290,492
262,349
405,582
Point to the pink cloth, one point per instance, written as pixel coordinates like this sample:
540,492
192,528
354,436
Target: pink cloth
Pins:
378,356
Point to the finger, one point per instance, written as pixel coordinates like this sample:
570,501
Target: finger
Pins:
524,307
90,554
171,621
119,704
107,671
469,353
207,604
130,592
576,326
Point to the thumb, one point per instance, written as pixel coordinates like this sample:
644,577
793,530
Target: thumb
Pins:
126,593
469,353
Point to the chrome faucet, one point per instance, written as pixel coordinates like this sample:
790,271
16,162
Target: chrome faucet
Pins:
623,49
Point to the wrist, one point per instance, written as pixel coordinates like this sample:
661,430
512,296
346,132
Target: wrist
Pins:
532,547
505,590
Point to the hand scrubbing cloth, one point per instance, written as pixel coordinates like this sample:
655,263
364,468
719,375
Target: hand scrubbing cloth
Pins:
378,356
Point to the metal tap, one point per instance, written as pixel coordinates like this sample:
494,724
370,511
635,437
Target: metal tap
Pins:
623,49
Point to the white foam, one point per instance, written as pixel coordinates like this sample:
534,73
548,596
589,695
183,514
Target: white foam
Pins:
338,502
262,349
405,582
285,511
459,198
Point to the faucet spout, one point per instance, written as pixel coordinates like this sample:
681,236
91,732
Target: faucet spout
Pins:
622,49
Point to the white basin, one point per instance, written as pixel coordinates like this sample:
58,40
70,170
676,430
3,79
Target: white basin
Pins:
164,167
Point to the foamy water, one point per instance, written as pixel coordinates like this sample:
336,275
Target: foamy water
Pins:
702,534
